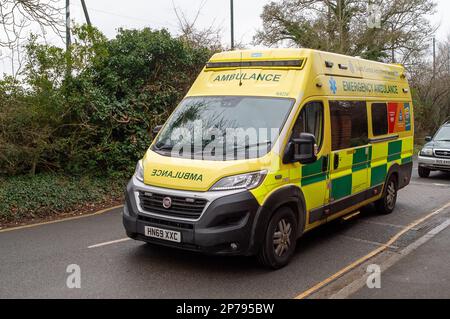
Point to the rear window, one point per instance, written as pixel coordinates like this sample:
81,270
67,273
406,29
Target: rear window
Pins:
380,119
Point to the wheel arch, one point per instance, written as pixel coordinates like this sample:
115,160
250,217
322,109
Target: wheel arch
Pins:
289,196
394,170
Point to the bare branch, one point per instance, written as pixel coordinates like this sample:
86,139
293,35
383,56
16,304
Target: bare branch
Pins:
209,37
16,15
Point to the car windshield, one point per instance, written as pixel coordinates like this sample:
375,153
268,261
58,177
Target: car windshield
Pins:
223,127
443,135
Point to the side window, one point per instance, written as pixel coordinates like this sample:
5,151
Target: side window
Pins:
310,120
348,124
379,119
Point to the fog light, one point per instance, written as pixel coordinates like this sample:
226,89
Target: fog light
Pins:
234,246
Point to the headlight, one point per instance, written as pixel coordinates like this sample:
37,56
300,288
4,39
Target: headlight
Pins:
426,152
244,181
139,171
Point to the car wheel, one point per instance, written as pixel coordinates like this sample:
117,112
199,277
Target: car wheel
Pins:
424,172
280,239
386,204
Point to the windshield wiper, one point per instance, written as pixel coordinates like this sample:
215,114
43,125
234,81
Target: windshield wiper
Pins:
443,141
164,147
247,147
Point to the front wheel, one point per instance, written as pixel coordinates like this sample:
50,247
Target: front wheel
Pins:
280,239
424,172
386,204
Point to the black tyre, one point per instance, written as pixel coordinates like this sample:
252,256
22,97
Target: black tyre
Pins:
280,239
424,172
386,204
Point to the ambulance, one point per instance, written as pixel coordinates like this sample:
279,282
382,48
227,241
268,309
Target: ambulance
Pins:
268,145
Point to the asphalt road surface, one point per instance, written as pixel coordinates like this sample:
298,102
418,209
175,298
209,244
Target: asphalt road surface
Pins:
33,261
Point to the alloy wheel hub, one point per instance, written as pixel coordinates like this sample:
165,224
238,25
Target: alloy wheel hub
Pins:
282,237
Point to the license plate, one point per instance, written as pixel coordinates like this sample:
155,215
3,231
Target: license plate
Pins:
443,162
163,234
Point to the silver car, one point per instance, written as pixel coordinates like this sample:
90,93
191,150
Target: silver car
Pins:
435,156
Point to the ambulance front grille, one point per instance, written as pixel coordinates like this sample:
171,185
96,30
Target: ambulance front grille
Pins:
181,207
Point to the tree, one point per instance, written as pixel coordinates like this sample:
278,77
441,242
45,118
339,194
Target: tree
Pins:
16,15
209,37
431,91
30,109
98,120
342,26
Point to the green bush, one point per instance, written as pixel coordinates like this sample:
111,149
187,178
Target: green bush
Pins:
91,110
45,195
86,112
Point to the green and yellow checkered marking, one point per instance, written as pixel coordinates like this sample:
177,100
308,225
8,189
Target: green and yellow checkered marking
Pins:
313,173
396,152
370,167
359,169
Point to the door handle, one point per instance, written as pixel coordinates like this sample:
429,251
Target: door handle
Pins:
325,163
336,161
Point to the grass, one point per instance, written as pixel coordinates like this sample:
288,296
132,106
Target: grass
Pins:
25,198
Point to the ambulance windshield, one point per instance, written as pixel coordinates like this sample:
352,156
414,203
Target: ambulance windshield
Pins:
223,127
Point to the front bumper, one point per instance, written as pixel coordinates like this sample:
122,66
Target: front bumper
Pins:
434,163
226,226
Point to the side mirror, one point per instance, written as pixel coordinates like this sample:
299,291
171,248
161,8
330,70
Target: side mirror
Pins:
428,139
301,150
157,129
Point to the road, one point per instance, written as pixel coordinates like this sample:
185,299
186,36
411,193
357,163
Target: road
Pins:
34,260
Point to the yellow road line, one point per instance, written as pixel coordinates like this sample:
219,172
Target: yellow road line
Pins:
60,220
373,253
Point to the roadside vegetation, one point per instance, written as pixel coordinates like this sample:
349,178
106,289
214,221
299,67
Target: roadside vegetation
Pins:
49,195
73,123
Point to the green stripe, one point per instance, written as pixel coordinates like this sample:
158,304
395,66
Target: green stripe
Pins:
359,156
361,160
407,160
313,169
314,179
360,167
378,175
395,151
312,173
341,187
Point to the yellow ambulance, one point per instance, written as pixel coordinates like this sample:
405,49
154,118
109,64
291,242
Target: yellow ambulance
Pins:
268,145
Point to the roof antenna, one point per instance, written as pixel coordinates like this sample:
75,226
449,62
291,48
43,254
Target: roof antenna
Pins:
240,72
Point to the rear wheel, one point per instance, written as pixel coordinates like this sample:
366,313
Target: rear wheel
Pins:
424,172
386,204
280,239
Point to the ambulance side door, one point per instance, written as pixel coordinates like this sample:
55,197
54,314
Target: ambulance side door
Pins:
351,154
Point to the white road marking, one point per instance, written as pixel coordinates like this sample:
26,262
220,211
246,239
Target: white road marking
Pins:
430,184
109,243
374,243
382,224
356,285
